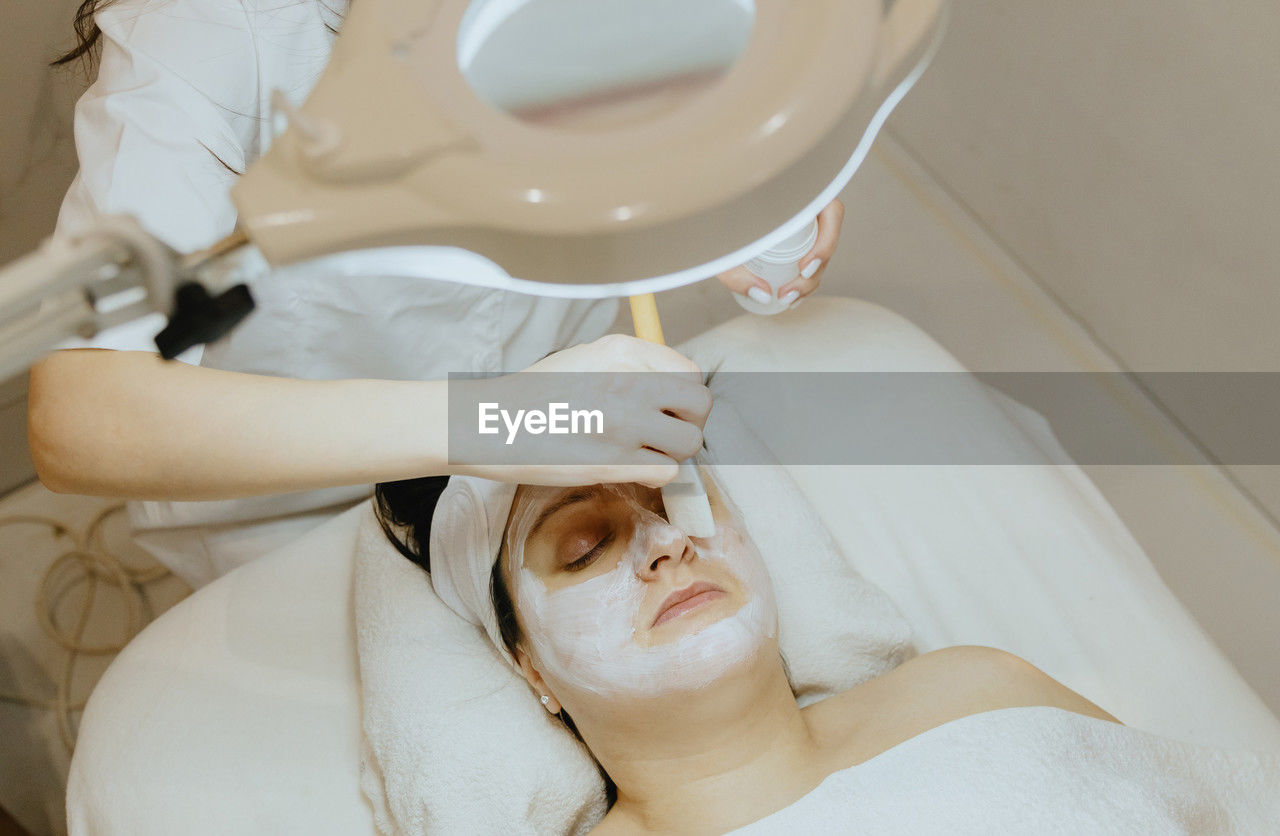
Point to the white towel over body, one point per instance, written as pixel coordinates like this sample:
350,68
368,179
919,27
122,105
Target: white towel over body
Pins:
1040,770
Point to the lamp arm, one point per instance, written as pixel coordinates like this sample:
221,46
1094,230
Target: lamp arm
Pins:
114,273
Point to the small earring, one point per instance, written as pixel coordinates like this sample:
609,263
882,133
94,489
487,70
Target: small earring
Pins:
545,699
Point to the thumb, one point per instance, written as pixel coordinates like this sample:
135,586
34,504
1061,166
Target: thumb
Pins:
740,280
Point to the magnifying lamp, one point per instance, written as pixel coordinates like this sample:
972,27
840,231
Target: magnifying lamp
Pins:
581,148
588,148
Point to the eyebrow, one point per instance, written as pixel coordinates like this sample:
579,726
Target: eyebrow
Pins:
565,500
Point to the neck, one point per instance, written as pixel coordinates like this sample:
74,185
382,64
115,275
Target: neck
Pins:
711,760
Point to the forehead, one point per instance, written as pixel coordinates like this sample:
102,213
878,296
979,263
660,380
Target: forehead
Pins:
537,503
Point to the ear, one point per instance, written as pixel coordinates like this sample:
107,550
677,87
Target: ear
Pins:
535,680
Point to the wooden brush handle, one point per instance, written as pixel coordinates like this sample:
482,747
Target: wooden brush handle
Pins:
684,496
644,315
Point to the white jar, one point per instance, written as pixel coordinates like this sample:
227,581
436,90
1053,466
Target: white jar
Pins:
777,266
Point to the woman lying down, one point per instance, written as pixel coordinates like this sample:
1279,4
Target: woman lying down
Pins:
660,651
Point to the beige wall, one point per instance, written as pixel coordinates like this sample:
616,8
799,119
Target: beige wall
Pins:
37,162
1128,154
37,155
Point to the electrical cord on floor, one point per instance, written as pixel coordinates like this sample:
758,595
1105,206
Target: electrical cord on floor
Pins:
90,563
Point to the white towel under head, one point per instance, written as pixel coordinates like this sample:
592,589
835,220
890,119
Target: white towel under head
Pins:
456,742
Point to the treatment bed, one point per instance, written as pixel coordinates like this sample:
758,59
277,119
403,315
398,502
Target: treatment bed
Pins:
238,711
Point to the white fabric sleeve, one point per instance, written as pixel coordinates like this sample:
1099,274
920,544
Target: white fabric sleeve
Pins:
175,98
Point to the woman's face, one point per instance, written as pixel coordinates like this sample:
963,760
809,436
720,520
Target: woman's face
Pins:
614,600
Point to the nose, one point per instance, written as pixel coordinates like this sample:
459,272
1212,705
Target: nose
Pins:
668,544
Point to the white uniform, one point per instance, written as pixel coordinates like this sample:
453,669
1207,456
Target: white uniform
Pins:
184,87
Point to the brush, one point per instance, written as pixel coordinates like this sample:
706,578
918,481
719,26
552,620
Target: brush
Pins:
684,497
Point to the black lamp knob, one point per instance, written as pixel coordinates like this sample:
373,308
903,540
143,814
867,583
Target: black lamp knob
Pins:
199,318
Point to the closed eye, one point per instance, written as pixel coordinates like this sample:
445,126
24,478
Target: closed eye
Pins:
591,556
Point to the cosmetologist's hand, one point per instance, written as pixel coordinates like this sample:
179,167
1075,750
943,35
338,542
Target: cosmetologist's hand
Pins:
653,400
812,266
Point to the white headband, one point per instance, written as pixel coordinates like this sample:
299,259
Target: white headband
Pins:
466,536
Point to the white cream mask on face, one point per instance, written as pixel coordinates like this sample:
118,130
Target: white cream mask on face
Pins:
588,634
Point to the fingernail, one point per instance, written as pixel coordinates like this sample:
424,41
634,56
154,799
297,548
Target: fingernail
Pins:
814,266
796,304
790,297
758,295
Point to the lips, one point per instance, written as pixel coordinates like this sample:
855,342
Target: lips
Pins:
685,600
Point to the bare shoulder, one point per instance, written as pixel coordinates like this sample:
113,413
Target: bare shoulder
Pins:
936,688
970,678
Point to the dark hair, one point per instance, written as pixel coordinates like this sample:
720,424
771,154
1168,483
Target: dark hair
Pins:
410,505
87,35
